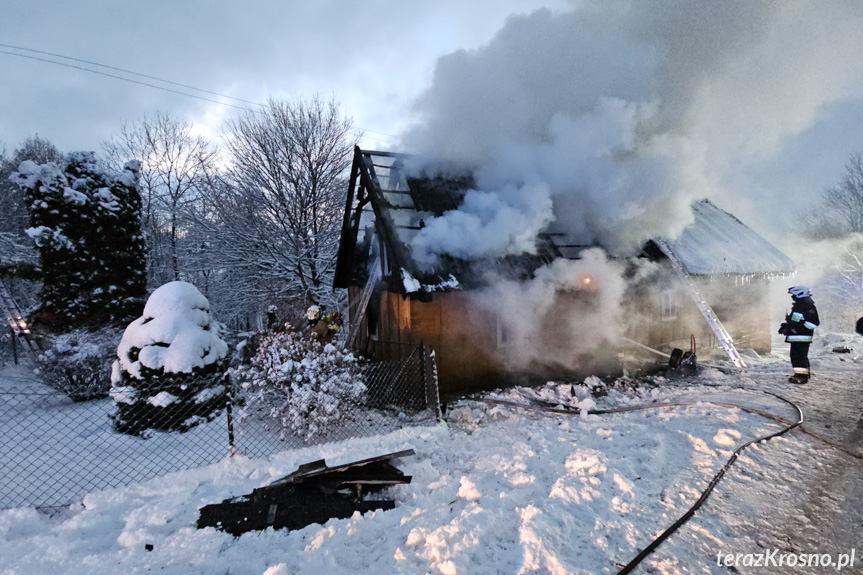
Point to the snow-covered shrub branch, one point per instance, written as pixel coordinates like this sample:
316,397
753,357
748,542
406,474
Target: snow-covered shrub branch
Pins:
307,388
78,363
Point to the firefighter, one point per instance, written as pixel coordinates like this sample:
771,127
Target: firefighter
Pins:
272,320
326,327
798,329
313,314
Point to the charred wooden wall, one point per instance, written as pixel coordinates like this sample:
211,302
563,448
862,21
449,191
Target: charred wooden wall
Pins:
465,338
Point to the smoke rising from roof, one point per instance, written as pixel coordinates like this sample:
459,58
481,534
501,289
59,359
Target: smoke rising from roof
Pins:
613,117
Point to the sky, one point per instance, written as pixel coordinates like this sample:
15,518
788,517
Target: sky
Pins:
756,106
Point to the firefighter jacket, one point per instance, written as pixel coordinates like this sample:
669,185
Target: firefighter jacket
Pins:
801,322
324,329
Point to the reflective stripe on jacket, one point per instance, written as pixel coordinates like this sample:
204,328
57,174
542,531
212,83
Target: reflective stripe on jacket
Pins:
802,320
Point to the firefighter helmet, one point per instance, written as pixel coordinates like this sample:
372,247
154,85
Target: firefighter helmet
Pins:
313,312
799,291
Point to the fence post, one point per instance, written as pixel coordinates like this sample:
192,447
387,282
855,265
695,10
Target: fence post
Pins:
14,345
232,450
428,372
423,377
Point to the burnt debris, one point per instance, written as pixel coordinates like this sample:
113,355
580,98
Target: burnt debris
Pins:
314,493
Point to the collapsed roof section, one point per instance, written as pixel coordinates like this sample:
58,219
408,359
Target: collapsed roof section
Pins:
389,202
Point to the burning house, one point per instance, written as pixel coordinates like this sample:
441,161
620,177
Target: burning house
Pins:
562,306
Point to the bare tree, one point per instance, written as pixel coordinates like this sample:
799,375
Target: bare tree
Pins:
838,223
281,203
17,251
174,163
841,208
13,212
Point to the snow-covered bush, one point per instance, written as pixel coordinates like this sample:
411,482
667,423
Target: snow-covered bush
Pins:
305,387
170,364
79,363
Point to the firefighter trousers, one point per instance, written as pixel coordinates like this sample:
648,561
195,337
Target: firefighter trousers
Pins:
800,357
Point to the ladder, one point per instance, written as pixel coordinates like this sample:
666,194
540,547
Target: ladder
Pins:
721,333
356,319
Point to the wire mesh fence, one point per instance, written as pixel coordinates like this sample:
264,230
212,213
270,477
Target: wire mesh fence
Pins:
54,450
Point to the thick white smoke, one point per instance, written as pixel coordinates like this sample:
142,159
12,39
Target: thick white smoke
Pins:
571,308
612,117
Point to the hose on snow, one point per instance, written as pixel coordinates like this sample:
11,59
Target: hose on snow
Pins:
653,545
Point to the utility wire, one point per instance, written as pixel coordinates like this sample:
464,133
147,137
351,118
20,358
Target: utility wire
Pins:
128,80
126,72
142,76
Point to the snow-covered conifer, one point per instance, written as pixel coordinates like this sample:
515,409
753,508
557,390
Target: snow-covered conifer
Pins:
86,224
170,363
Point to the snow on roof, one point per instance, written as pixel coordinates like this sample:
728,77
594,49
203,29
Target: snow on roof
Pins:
718,243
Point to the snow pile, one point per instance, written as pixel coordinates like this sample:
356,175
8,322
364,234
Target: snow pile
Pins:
306,388
175,334
499,490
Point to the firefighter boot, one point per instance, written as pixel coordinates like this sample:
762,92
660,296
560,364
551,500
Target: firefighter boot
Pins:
800,378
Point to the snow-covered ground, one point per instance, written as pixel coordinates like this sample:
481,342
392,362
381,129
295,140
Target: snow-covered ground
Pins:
499,489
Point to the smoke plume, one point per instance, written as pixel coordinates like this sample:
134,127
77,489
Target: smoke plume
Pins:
613,117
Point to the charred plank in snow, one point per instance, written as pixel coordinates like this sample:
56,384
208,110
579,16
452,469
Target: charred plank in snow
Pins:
314,493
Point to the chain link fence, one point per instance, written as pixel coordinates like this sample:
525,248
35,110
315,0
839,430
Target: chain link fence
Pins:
54,450
398,393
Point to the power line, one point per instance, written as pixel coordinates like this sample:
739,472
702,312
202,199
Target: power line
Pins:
128,80
116,77
125,72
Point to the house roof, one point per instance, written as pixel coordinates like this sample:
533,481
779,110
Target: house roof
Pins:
718,243
382,193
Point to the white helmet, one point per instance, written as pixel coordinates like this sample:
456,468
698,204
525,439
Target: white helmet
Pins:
799,291
313,312
272,309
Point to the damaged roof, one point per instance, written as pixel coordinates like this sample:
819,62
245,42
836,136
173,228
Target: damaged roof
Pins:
384,198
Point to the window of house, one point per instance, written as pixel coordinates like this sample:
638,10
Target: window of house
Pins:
503,333
669,305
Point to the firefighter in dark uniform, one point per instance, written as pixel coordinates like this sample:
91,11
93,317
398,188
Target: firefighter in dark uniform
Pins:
798,329
272,319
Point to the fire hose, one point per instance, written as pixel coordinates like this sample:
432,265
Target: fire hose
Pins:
653,545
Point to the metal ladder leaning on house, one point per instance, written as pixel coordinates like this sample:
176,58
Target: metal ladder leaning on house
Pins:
721,333
356,318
